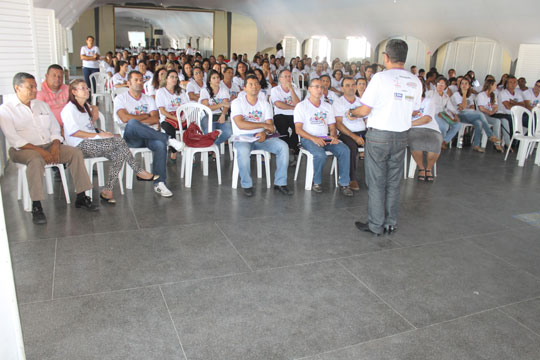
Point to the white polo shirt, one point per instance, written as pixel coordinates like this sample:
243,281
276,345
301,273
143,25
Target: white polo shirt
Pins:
23,125
169,101
74,121
234,90
392,95
456,99
314,119
93,64
118,79
218,98
193,87
144,105
427,108
482,99
259,113
438,101
278,94
342,106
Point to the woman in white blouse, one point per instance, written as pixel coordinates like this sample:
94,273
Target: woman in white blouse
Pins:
486,101
79,131
216,97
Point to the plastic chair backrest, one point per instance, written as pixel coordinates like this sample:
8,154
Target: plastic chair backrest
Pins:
193,112
147,86
536,123
100,80
517,116
119,90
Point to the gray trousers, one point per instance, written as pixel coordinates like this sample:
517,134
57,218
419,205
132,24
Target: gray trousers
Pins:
383,163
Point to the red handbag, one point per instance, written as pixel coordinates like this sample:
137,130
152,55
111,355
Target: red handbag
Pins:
194,137
174,123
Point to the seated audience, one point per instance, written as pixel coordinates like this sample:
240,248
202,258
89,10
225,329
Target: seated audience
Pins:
315,123
33,134
240,75
119,79
486,101
253,117
158,81
138,115
425,136
229,84
509,97
284,98
532,96
327,95
216,97
265,85
80,132
335,82
54,92
169,98
194,87
352,129
449,123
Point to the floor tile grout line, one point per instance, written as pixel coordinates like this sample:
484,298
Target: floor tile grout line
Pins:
173,324
377,295
134,215
54,268
234,247
519,322
497,308
503,260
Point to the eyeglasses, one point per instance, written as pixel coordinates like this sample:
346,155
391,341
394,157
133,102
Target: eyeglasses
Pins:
83,88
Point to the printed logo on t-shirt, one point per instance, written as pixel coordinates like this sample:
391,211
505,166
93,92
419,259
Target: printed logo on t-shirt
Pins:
398,96
328,100
288,100
409,98
319,118
141,109
176,102
255,116
411,85
418,114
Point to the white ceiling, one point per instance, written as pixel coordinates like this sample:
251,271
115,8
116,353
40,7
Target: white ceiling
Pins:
175,24
433,21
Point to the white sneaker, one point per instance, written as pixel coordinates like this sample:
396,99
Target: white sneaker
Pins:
177,145
162,190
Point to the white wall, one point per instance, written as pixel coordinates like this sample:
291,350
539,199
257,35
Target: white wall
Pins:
291,47
416,54
528,63
340,49
46,40
483,56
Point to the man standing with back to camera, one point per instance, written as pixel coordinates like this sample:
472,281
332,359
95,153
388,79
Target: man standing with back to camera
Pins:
389,100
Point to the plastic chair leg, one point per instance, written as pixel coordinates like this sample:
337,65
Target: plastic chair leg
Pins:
309,172
218,166
64,182
298,161
267,169
235,172
189,168
101,173
48,180
259,166
335,167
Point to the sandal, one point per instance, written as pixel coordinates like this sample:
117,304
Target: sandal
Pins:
421,177
429,178
107,200
479,149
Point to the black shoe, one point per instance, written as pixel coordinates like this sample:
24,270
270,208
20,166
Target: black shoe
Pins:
364,227
390,229
317,188
86,203
248,192
283,189
38,217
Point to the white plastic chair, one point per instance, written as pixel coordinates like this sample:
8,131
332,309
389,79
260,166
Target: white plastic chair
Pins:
147,86
101,90
194,112
118,90
259,153
518,134
22,184
310,170
146,155
461,132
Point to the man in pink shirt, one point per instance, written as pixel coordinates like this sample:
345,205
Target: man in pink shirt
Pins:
54,92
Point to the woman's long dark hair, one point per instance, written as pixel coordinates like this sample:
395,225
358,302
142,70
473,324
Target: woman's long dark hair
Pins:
186,77
208,78
263,82
155,78
119,64
237,65
468,90
487,85
177,89
71,98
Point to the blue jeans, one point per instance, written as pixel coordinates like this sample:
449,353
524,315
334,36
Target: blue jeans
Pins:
383,162
447,131
273,145
86,73
479,122
138,135
226,129
341,151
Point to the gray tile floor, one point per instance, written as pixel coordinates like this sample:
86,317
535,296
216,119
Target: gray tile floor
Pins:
210,274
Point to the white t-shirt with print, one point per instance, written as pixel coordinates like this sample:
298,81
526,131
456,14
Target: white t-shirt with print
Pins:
259,113
239,82
278,94
218,98
529,95
74,121
336,84
427,108
118,79
456,99
482,99
193,87
144,105
392,95
234,90
439,102
169,101
93,64
505,95
314,119
341,106
330,98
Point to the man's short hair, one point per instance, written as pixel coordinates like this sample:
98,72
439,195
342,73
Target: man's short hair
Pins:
441,78
251,76
396,49
55,67
430,74
21,77
348,78
312,80
90,37
282,72
413,67
134,72
228,68
325,75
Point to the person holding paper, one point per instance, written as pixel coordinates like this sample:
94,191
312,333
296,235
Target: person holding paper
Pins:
252,116
314,121
80,132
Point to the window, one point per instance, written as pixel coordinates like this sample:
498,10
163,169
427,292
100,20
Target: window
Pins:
137,38
318,47
358,48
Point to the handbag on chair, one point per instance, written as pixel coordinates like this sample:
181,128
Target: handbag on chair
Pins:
194,137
